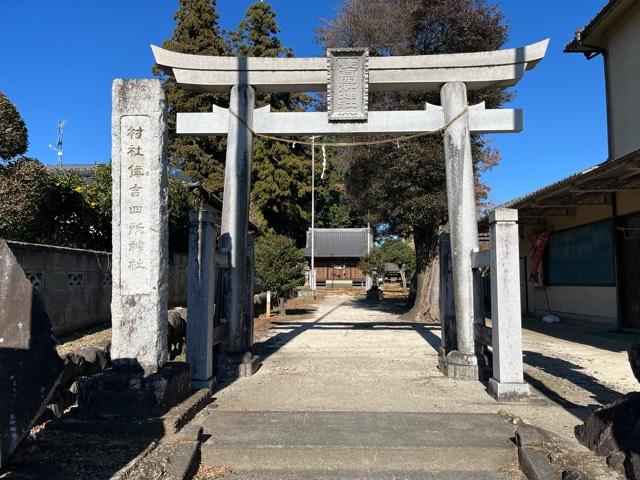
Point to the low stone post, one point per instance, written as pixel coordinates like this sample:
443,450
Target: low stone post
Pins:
508,380
201,298
463,362
249,292
368,282
268,311
235,209
140,226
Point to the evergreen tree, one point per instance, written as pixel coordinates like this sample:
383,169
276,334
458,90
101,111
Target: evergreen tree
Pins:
332,204
279,264
197,32
281,173
14,139
257,34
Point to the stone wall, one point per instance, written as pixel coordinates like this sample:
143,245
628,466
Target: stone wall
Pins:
178,279
76,284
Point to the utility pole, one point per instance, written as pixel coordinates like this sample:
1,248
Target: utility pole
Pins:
313,215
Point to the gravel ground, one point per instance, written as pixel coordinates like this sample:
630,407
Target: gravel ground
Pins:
86,338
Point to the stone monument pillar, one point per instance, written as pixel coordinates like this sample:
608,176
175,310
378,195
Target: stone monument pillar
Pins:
201,298
463,362
508,378
235,209
140,382
140,226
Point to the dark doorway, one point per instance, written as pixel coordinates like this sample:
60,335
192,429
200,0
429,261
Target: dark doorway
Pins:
630,269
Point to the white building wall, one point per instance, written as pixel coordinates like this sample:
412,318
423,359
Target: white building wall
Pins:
622,43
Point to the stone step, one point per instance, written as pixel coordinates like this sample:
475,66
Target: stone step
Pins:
351,475
291,445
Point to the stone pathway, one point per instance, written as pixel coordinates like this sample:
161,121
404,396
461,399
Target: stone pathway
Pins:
351,391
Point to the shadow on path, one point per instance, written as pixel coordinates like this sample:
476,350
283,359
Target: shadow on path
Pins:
290,329
571,372
612,341
397,306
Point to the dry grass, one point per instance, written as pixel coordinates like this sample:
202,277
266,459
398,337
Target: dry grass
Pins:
206,472
93,336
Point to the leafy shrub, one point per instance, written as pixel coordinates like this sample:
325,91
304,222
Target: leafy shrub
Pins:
57,207
279,264
14,138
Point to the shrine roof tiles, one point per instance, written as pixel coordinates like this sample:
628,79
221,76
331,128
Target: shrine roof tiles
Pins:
339,242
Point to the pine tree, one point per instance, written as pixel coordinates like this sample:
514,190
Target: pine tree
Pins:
197,32
280,174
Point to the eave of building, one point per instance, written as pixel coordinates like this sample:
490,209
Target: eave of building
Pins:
589,39
214,204
588,188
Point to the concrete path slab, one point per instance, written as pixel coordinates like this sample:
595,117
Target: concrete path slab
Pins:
364,430
353,388
359,442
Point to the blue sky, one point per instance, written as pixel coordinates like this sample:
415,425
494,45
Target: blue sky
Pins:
58,60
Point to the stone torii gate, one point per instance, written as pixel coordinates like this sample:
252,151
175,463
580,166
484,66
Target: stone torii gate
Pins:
348,75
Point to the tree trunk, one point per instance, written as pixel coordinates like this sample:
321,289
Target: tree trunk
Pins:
421,285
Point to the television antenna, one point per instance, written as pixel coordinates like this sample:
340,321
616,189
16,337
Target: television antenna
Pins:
58,146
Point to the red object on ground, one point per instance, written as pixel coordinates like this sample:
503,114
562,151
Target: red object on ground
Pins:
538,244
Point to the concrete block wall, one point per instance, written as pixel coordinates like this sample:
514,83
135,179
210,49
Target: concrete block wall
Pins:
76,283
178,279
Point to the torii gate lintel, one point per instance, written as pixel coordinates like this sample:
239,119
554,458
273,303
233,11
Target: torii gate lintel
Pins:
266,122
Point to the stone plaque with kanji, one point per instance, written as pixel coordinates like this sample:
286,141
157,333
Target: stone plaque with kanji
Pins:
348,85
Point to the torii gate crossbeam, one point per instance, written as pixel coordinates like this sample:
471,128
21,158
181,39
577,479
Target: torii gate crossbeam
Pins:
410,122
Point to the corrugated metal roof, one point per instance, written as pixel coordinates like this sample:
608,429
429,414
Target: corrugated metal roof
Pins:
621,173
339,242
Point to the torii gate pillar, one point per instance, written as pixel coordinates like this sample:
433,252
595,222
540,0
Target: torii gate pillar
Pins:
235,212
463,362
